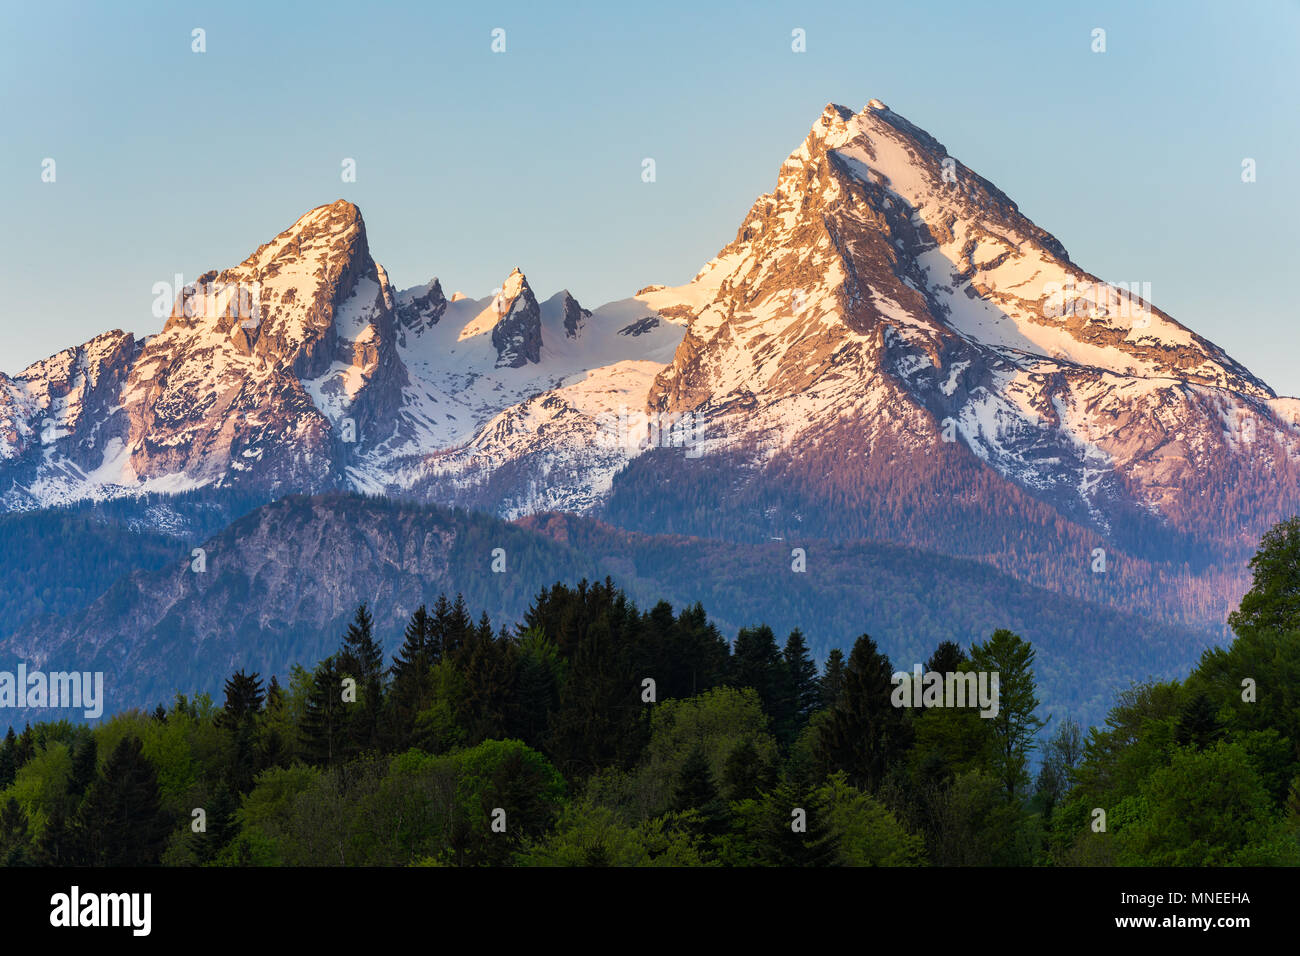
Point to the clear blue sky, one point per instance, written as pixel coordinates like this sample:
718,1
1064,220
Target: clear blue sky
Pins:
470,163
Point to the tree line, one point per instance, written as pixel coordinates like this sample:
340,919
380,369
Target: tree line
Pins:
594,732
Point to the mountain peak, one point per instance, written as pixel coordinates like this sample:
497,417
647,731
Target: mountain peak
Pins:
515,320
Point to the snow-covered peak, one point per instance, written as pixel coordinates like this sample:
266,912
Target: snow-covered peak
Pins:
514,285
871,218
334,227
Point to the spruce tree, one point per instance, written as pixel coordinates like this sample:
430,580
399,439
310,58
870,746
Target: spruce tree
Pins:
1198,724
743,774
14,837
539,675
780,842
832,682
323,715
244,697
413,658
459,626
948,658
801,675
696,791
486,665
756,662
84,759
411,690
362,658
8,759
121,821
599,722
701,655
57,844
865,734
273,748
24,748
439,629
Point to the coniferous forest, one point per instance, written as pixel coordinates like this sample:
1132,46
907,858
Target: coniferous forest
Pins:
597,733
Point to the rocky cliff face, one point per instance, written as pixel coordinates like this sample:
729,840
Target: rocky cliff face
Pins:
883,281
884,320
517,333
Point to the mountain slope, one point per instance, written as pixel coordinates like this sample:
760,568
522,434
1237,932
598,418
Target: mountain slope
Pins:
884,282
280,584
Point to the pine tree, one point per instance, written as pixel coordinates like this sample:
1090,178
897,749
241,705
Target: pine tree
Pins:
865,734
832,682
121,821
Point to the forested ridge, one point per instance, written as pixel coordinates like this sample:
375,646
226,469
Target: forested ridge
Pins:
596,732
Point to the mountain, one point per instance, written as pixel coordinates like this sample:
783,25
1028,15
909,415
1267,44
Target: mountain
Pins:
885,284
279,585
888,351
302,369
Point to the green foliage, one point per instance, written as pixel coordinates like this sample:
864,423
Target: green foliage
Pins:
465,752
121,821
41,784
716,723
865,733
1206,808
1016,723
864,830
589,834
1273,602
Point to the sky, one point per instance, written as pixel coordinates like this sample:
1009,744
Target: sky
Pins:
470,162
